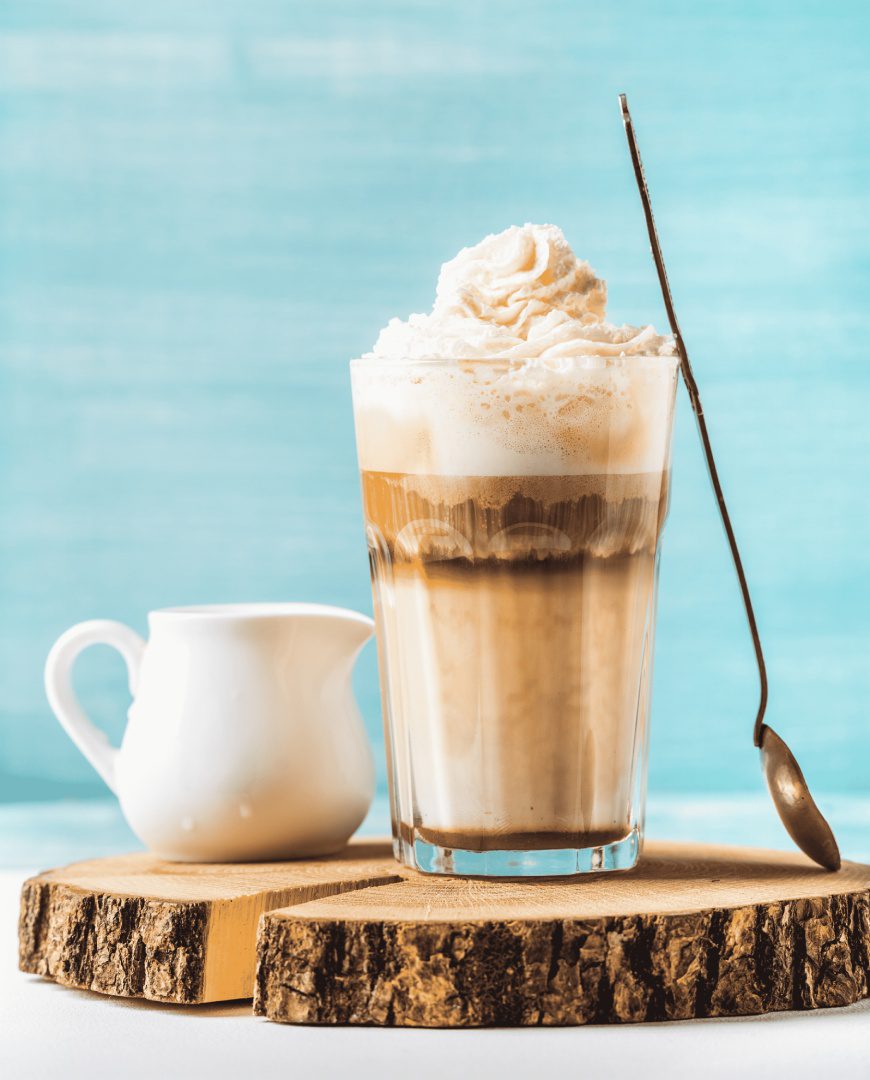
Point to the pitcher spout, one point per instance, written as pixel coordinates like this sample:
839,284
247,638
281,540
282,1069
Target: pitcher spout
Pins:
337,634
349,629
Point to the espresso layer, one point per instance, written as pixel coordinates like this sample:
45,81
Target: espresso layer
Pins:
514,518
471,840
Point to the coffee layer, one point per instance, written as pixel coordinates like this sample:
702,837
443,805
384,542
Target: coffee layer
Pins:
514,622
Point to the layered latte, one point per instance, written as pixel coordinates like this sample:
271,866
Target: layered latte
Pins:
514,451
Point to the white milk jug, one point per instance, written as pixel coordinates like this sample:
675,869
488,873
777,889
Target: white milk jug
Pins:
244,741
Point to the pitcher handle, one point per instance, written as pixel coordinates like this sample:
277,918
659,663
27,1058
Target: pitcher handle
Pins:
92,742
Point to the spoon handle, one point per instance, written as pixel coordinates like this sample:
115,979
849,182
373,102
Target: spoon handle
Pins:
697,408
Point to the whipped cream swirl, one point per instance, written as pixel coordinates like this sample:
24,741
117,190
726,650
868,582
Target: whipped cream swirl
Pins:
519,294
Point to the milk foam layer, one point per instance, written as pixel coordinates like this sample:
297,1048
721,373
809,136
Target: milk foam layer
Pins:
522,418
515,372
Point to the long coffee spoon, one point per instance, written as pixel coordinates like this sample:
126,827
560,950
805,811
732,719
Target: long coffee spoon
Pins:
789,790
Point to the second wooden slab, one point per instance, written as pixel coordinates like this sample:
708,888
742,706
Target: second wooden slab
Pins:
693,931
137,926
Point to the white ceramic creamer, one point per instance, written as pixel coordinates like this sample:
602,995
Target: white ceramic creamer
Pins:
244,741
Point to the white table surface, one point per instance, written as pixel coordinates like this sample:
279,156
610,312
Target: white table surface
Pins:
51,1031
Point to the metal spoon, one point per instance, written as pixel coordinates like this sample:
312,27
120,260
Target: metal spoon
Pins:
785,781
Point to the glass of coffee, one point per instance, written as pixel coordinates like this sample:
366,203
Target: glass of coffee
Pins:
514,507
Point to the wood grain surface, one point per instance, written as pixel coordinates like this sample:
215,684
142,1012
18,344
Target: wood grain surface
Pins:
694,931
137,926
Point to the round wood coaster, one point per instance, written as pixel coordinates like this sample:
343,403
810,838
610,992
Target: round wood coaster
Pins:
137,926
693,931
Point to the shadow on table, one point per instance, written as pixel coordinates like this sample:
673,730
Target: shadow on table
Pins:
208,1010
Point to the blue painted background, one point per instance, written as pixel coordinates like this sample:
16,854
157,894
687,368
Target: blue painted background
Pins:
207,208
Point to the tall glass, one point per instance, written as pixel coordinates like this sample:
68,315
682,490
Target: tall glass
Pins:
513,515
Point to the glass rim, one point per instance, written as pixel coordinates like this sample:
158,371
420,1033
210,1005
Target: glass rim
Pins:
591,361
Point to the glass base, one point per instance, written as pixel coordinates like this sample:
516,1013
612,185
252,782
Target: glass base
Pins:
553,862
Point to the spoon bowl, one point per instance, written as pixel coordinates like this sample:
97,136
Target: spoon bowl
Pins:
795,805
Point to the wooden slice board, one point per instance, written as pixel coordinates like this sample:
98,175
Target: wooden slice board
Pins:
693,931
136,926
